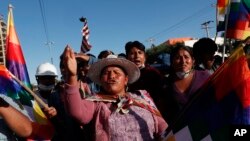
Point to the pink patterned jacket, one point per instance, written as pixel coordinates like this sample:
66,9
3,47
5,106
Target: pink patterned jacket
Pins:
125,119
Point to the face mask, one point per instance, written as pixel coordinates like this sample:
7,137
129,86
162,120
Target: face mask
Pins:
142,66
46,88
182,75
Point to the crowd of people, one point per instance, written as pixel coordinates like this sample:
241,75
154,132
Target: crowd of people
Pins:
111,97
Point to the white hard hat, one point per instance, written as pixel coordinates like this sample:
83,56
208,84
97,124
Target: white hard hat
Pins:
46,69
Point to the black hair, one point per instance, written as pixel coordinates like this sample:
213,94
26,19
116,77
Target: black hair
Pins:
131,44
178,47
122,55
204,46
173,53
104,54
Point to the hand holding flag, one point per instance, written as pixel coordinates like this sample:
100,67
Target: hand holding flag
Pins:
15,82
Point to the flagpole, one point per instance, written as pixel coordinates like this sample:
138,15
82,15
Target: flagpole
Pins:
38,99
225,33
216,21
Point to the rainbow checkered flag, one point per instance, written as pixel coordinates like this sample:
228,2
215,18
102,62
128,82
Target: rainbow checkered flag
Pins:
85,46
239,19
16,68
222,103
221,8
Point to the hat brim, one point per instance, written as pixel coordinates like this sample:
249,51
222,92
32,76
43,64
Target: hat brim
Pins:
131,69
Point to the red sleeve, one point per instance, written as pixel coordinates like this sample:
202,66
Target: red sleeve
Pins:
41,132
80,109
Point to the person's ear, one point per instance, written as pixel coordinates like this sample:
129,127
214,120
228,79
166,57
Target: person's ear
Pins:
193,61
126,80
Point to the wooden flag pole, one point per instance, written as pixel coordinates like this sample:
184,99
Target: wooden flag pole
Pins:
225,33
38,99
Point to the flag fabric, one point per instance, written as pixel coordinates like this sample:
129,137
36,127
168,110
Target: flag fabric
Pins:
222,102
15,61
221,14
43,129
8,86
239,20
15,65
85,46
41,126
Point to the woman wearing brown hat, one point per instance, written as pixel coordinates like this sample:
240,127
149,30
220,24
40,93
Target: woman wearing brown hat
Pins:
115,114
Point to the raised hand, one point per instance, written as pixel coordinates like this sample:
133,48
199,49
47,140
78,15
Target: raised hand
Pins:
70,63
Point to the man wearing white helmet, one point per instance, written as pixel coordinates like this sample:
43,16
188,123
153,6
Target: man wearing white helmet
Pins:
46,80
46,74
49,91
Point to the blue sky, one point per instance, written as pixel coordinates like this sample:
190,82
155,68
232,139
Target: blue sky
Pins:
112,23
